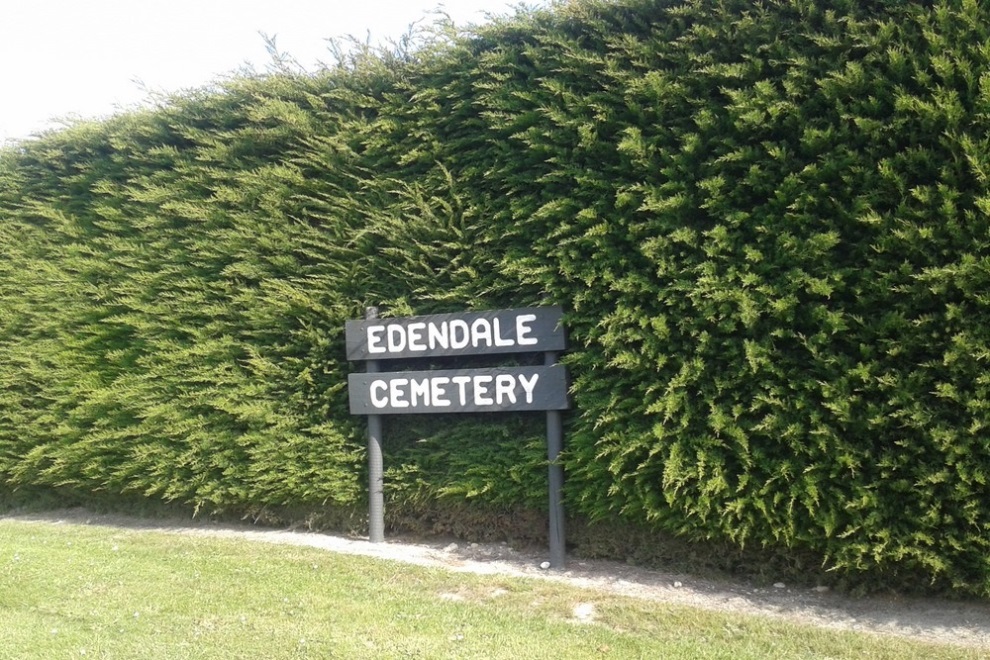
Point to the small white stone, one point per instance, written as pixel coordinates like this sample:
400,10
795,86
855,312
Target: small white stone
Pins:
450,548
545,565
678,584
584,612
822,589
779,585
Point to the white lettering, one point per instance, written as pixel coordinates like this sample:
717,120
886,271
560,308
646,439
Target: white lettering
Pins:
522,330
395,392
374,339
438,336
471,334
416,336
465,390
461,382
376,401
529,386
497,332
480,330
457,325
419,391
396,339
438,392
481,397
505,389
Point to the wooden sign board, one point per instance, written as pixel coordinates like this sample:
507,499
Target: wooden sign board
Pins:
523,330
499,389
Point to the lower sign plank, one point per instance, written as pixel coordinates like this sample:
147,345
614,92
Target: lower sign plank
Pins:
500,389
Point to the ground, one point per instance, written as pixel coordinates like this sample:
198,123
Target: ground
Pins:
938,620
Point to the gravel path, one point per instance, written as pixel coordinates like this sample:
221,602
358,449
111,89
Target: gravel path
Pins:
965,623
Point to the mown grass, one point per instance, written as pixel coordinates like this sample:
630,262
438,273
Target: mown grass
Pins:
88,591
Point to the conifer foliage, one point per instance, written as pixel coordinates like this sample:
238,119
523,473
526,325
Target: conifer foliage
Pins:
769,223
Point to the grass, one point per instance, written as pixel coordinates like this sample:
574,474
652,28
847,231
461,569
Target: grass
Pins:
87,591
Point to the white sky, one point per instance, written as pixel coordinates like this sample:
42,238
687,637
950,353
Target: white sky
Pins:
88,58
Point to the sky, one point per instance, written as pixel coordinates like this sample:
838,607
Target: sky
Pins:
91,58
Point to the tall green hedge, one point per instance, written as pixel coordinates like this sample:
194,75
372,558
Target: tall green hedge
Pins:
769,224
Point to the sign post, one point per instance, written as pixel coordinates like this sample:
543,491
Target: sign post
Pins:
376,466
493,389
555,442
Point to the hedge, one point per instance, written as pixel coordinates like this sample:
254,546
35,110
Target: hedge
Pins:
767,223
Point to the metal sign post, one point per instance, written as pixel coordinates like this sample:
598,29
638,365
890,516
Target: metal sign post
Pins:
490,389
555,442
376,466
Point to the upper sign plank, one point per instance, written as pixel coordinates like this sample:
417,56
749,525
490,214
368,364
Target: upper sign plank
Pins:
523,330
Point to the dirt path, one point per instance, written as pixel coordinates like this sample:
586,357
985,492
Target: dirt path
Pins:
950,622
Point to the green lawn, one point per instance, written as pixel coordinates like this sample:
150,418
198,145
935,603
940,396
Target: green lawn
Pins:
71,591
